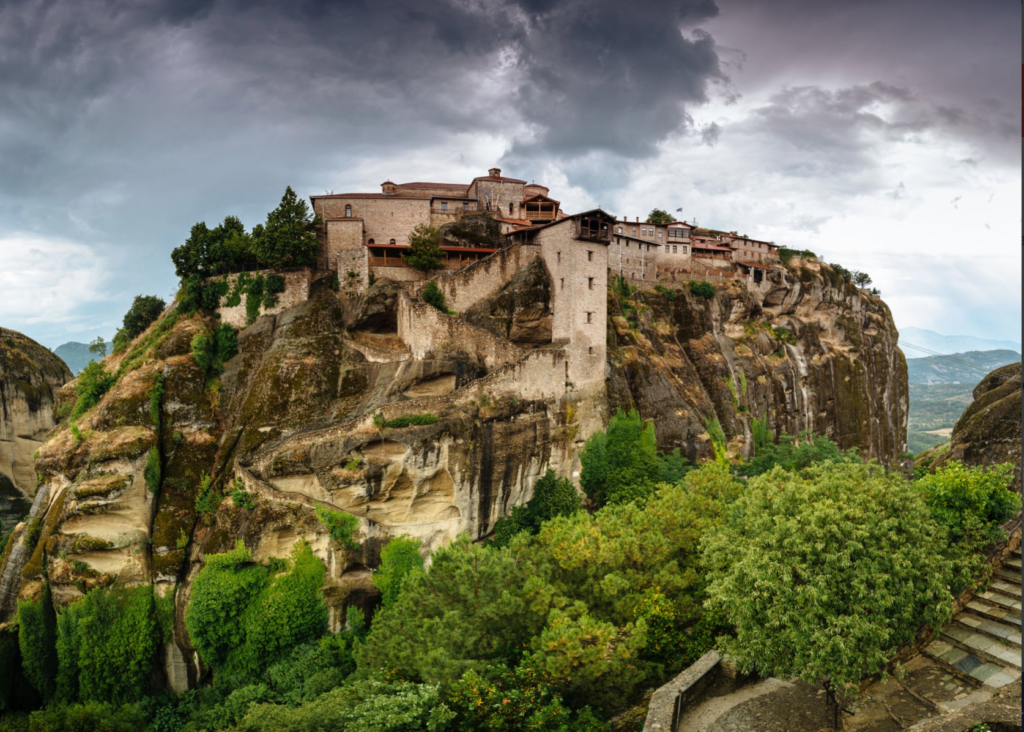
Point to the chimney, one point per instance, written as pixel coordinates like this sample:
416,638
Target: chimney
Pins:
638,219
494,172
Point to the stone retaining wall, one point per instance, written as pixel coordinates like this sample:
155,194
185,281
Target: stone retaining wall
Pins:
669,701
296,290
468,286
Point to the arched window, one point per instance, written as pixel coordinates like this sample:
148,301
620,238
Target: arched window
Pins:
391,242
370,241
348,211
510,209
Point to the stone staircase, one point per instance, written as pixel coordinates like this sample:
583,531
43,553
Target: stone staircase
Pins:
983,641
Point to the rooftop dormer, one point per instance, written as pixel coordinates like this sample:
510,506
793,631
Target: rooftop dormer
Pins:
494,172
388,188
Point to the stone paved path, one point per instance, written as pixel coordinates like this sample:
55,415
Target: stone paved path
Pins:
984,640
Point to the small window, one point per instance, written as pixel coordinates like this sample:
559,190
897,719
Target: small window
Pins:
465,205
444,205
590,317
590,256
558,257
659,234
510,209
370,241
590,350
618,230
590,283
634,232
348,211
684,249
561,285
391,242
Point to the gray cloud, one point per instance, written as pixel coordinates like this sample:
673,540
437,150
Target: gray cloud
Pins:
710,133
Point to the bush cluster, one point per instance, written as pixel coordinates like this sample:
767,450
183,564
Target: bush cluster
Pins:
702,289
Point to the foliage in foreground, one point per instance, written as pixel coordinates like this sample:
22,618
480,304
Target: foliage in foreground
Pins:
552,496
825,572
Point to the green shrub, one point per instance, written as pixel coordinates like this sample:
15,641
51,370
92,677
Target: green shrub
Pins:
143,311
434,296
92,383
88,717
784,335
211,350
702,289
340,525
243,617
37,638
970,502
208,499
791,453
108,643
665,292
785,255
552,496
241,497
399,557
152,472
198,294
718,439
226,339
411,420
620,464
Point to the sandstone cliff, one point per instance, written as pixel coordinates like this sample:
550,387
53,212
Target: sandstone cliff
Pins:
807,351
989,430
420,423
30,375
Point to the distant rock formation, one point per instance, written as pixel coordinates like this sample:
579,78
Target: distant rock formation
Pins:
30,376
989,430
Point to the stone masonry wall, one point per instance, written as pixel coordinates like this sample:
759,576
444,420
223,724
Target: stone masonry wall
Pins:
384,218
579,276
425,330
633,260
345,250
468,286
296,290
501,194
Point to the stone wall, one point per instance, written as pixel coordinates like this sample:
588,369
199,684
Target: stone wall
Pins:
632,259
296,290
384,217
468,286
426,330
502,196
343,244
579,278
668,702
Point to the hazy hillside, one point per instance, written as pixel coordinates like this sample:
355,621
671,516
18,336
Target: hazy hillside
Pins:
958,368
940,391
75,355
939,343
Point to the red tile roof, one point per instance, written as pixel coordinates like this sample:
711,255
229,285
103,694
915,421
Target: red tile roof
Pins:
752,264
443,248
500,178
520,222
711,247
371,195
419,184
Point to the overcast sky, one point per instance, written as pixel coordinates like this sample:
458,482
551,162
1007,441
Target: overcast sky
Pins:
881,134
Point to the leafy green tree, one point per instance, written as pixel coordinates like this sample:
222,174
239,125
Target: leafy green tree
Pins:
425,252
825,572
791,453
620,464
288,238
37,638
144,310
658,216
552,496
400,557
98,347
434,296
861,279
222,249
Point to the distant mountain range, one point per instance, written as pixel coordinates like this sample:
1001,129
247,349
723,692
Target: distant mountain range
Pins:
958,368
75,355
938,343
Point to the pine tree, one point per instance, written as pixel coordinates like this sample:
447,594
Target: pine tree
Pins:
424,249
288,238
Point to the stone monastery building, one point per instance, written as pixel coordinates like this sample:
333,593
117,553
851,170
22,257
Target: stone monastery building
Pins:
366,233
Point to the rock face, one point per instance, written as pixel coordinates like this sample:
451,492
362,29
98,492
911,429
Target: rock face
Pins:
418,423
808,352
989,430
30,376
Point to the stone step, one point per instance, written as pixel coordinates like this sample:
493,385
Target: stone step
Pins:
996,629
998,598
990,674
1009,589
983,646
994,612
1009,575
1013,563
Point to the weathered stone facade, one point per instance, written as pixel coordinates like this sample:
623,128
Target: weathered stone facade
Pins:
296,290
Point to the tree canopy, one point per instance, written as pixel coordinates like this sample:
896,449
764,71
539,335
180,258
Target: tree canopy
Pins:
620,464
659,216
826,571
425,252
288,238
144,310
